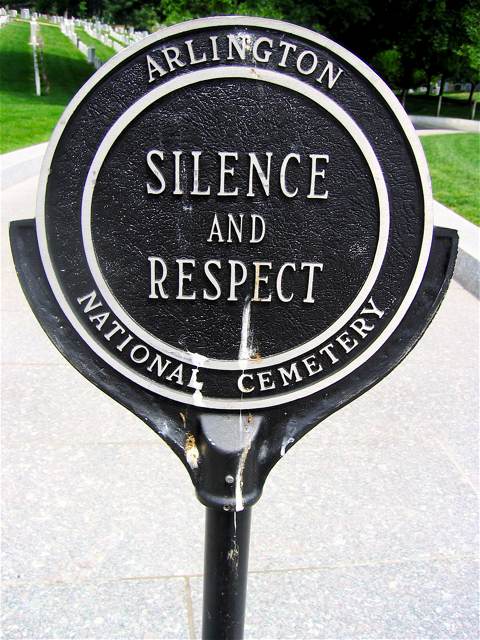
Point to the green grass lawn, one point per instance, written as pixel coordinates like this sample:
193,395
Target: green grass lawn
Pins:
103,52
463,96
454,163
452,107
25,118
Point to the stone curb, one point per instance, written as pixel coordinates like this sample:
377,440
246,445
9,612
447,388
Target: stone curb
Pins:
467,267
458,124
467,272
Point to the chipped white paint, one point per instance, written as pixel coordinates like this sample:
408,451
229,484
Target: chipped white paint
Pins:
246,350
285,444
233,554
246,434
198,398
197,358
192,458
192,454
239,506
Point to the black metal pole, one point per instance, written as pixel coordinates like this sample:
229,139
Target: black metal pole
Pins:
227,539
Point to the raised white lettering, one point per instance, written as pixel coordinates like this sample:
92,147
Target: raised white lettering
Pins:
314,173
157,283
156,172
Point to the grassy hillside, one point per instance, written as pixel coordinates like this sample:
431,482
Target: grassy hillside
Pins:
454,163
25,118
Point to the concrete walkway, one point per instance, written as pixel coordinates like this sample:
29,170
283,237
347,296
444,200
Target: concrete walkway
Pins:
18,166
367,528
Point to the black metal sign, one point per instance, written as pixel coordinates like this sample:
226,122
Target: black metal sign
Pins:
235,213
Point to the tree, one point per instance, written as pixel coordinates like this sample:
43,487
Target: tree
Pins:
138,14
345,20
469,50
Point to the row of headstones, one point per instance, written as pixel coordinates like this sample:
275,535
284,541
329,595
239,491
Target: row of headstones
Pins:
115,37
67,27
102,37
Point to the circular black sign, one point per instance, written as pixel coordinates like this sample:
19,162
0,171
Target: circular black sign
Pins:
234,213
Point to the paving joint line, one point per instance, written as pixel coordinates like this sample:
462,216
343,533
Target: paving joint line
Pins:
189,605
77,444
63,583
379,563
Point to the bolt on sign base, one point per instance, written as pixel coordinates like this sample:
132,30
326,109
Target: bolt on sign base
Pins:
233,240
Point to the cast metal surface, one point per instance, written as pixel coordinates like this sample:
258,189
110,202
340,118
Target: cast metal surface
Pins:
249,221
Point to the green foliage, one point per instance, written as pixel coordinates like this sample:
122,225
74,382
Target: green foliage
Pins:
141,15
388,64
454,163
82,9
145,18
338,18
179,10
469,50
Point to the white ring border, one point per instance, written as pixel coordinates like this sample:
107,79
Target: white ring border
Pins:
279,79
286,28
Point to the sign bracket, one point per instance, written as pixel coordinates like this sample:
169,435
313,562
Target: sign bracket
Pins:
228,454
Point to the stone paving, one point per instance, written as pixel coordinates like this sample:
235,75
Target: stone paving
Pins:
366,529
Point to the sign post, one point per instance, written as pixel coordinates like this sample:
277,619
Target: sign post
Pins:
227,537
233,239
